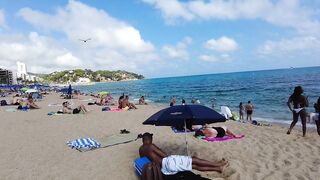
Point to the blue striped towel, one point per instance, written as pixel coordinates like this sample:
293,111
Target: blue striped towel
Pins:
84,144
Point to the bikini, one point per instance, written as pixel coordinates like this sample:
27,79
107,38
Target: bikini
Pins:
220,130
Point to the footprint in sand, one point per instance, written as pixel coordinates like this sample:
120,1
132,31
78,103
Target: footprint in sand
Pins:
287,163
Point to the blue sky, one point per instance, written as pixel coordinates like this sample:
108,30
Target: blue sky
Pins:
159,38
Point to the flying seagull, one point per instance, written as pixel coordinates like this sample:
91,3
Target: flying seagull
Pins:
85,40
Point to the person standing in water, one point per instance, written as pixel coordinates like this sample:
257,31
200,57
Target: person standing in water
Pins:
300,102
249,109
241,111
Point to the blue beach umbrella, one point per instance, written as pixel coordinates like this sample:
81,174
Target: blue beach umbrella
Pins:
180,115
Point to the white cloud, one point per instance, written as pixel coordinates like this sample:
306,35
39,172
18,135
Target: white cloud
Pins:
304,44
179,51
223,44
286,13
214,58
2,19
114,45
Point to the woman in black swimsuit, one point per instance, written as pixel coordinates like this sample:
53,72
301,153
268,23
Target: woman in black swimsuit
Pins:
212,132
300,102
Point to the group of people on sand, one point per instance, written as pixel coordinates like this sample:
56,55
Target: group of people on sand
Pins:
248,108
124,103
297,103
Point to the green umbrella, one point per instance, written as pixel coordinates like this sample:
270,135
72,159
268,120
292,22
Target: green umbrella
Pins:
24,89
103,92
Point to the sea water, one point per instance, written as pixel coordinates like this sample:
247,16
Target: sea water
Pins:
268,90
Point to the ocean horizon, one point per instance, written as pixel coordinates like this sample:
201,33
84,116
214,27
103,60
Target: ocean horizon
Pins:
268,90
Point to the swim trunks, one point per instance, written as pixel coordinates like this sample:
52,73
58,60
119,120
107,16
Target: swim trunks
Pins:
249,111
176,163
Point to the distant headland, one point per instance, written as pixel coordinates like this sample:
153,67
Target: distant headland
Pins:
87,76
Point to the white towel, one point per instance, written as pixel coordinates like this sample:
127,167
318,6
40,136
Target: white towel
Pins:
175,163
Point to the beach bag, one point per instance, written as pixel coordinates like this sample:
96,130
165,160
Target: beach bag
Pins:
3,103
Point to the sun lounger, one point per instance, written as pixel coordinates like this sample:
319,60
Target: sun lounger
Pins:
139,164
223,138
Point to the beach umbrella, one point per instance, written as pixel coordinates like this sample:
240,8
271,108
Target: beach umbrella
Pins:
31,91
103,92
180,115
23,89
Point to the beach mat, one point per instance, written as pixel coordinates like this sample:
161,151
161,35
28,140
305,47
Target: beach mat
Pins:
117,139
225,138
86,144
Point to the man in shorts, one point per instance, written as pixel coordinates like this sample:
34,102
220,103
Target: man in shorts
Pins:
176,163
249,110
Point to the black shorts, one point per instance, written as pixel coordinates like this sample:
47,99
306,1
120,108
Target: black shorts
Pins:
220,130
249,112
76,111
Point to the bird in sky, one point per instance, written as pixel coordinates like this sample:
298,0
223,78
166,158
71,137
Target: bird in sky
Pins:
85,40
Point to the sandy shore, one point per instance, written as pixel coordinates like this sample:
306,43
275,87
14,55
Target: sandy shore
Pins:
33,146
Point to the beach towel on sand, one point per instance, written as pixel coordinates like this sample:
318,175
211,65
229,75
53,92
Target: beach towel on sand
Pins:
224,138
85,144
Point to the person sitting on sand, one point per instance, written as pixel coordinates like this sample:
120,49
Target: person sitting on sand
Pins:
172,164
142,101
16,100
126,105
31,104
68,110
213,132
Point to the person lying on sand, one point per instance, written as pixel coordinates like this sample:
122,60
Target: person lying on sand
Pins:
68,110
212,132
31,104
173,164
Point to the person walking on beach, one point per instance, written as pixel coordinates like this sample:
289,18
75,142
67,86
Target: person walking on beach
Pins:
317,110
249,110
241,111
300,102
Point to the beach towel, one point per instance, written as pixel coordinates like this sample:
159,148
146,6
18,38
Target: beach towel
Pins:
11,110
180,131
113,110
224,138
139,164
102,142
83,144
55,113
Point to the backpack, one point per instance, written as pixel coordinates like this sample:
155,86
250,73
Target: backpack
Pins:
3,103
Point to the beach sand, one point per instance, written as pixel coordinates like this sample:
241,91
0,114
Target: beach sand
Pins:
33,146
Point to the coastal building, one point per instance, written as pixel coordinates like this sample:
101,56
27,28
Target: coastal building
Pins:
23,74
6,76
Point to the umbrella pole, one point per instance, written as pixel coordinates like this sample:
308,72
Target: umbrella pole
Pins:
185,133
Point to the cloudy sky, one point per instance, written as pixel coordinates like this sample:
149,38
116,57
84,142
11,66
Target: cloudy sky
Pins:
159,38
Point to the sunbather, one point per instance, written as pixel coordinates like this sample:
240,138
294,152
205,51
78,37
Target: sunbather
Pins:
16,100
175,163
31,104
69,110
212,132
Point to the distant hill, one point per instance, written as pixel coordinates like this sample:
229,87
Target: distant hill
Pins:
76,75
